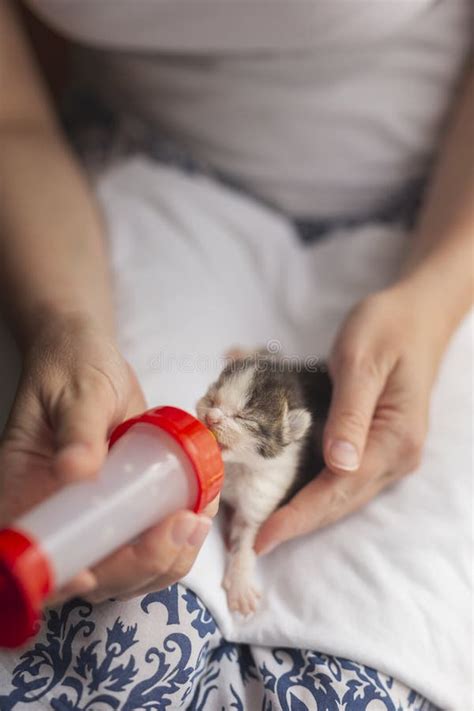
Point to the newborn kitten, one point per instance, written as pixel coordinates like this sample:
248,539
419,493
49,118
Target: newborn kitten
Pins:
267,414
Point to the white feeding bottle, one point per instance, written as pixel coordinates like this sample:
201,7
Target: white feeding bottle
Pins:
159,462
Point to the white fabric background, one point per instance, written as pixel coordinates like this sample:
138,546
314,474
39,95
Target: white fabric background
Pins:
198,269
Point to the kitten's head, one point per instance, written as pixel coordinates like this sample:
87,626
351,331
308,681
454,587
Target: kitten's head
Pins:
253,410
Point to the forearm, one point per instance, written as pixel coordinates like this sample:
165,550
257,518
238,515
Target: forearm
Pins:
53,260
441,261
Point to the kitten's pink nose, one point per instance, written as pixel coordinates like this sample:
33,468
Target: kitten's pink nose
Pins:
213,417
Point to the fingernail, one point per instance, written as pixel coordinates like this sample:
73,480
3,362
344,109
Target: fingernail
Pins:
189,530
344,455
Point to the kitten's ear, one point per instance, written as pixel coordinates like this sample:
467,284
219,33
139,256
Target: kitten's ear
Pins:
299,422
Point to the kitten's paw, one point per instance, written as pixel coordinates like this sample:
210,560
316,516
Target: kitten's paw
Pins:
242,597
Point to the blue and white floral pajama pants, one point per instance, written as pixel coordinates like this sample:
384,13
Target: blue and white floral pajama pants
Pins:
165,651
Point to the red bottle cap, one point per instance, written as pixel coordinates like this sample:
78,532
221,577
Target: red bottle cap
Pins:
25,581
194,438
26,578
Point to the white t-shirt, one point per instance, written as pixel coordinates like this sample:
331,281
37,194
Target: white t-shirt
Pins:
324,108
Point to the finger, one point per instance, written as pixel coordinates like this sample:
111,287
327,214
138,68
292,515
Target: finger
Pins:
303,512
81,425
164,552
25,421
180,567
322,501
356,390
163,581
84,582
212,508
329,497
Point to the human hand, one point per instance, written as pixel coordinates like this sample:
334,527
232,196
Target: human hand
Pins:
383,366
75,388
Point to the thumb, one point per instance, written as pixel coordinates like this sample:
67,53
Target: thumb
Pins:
356,391
81,427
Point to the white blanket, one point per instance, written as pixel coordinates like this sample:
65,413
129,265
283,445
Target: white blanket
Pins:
198,269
